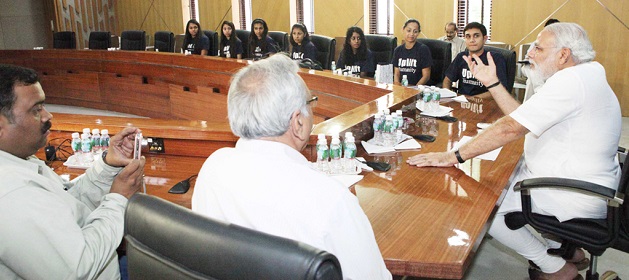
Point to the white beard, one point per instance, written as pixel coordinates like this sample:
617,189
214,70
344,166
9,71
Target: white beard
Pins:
540,73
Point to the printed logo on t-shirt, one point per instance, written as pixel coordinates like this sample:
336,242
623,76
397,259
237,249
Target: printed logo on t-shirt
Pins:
298,55
407,65
226,51
469,79
354,69
190,47
258,52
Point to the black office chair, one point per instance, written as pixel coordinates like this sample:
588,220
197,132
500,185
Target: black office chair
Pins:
99,40
281,38
243,35
510,58
325,49
213,42
64,40
167,241
382,47
593,235
441,53
164,41
133,40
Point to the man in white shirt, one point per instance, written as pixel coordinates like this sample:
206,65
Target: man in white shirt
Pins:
458,44
266,184
571,128
51,228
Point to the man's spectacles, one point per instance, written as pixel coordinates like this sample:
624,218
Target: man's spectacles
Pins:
313,101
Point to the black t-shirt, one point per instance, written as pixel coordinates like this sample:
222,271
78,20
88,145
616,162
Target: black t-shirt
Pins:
227,51
257,50
191,46
368,65
411,62
307,50
468,85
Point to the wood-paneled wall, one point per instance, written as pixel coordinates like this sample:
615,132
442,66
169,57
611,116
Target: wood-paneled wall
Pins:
85,16
150,16
511,21
213,12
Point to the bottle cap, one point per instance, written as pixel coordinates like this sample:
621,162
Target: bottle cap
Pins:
85,136
321,136
95,131
86,131
105,131
386,111
394,115
75,135
350,139
399,112
348,134
404,77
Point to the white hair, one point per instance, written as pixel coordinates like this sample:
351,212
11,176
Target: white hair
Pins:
263,96
573,36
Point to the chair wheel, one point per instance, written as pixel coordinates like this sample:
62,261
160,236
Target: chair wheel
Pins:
609,275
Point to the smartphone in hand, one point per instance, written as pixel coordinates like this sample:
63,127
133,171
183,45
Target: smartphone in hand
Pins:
137,146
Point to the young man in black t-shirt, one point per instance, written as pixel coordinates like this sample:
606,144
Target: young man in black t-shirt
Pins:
475,37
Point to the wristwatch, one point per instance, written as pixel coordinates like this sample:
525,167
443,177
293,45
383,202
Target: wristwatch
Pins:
104,156
458,156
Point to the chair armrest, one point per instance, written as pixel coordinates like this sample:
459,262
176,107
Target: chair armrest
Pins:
570,185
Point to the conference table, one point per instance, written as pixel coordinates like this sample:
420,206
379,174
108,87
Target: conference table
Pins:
428,222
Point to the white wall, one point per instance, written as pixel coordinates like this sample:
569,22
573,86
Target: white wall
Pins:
22,24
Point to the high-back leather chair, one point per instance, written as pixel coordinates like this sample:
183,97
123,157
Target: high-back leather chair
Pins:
243,35
99,40
213,42
593,235
164,41
441,53
64,40
133,40
281,38
167,241
382,47
325,49
510,58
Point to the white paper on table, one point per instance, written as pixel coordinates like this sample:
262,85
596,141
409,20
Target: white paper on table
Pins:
377,149
461,98
442,111
486,156
348,180
446,93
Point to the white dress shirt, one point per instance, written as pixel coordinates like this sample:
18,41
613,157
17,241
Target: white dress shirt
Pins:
271,187
458,45
47,232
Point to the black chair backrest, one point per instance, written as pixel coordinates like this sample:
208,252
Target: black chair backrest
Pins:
622,243
167,241
325,49
243,35
281,38
510,58
63,40
441,53
213,42
99,40
382,47
133,40
164,41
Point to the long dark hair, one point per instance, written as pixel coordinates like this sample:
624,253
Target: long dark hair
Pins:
304,30
348,53
231,41
253,38
188,38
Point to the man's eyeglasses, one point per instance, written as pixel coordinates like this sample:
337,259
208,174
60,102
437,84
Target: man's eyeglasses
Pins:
313,101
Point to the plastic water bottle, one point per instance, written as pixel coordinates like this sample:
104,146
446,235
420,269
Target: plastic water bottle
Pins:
389,135
104,140
377,131
333,67
335,155
95,140
349,155
86,148
76,144
404,80
323,154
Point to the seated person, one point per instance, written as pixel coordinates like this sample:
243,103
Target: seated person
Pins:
458,44
266,184
230,46
475,37
260,44
301,47
574,102
195,41
356,56
412,59
51,228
